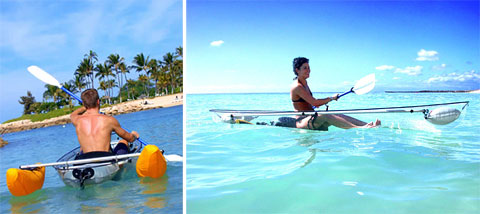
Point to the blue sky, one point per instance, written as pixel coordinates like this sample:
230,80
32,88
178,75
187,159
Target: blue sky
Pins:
248,46
55,35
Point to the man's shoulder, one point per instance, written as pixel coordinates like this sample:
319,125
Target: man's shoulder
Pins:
106,117
106,120
99,117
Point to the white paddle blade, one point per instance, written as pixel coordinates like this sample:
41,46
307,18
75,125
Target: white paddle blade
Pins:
365,85
43,76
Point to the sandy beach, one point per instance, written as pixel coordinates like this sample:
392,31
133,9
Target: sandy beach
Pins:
121,108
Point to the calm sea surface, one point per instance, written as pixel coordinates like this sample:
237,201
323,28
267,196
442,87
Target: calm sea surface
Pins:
161,127
405,166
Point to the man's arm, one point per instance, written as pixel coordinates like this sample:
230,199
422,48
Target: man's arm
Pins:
130,137
75,114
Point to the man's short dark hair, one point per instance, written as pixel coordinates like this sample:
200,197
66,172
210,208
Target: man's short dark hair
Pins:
89,98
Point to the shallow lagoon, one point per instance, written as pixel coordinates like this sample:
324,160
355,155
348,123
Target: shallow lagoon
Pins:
406,166
162,127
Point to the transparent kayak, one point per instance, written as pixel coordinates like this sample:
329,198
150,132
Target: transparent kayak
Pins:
78,175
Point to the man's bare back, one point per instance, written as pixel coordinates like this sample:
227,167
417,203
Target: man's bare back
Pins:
94,130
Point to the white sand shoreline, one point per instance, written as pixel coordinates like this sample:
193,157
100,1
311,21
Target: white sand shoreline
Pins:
121,108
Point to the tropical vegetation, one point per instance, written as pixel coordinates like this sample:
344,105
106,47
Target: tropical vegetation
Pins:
157,77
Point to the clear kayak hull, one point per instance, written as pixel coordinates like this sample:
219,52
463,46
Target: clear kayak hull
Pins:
438,114
78,175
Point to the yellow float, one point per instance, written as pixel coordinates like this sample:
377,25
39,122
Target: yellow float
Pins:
22,182
151,162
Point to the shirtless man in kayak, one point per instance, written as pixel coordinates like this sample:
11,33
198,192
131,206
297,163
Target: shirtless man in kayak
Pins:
94,129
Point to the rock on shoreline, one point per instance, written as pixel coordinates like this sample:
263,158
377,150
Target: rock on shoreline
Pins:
121,108
3,142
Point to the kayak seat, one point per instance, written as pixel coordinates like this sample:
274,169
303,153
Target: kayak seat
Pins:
287,122
88,155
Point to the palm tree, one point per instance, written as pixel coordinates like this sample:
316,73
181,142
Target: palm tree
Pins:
52,92
85,69
92,59
140,63
104,87
115,61
81,72
49,93
178,71
27,102
131,87
178,67
104,71
59,98
124,70
70,85
155,72
162,79
91,55
79,82
169,63
144,79
110,84
134,91
179,51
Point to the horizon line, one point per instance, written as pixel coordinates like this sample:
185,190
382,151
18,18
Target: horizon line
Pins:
386,91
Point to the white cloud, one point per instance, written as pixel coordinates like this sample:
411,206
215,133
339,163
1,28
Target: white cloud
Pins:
154,24
85,26
385,67
396,78
30,39
104,20
217,43
49,30
235,88
412,71
439,67
467,76
424,55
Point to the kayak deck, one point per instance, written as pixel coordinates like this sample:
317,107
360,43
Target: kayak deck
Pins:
439,114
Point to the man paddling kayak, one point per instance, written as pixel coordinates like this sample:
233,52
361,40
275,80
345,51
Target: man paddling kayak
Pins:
94,129
303,100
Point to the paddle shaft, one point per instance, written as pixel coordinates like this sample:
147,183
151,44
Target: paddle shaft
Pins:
71,94
341,95
49,79
290,113
92,160
348,92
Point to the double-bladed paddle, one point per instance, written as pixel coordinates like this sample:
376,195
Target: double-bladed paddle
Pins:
363,86
49,79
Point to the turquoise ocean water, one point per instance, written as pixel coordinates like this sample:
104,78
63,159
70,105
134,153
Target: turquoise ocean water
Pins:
405,166
162,127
